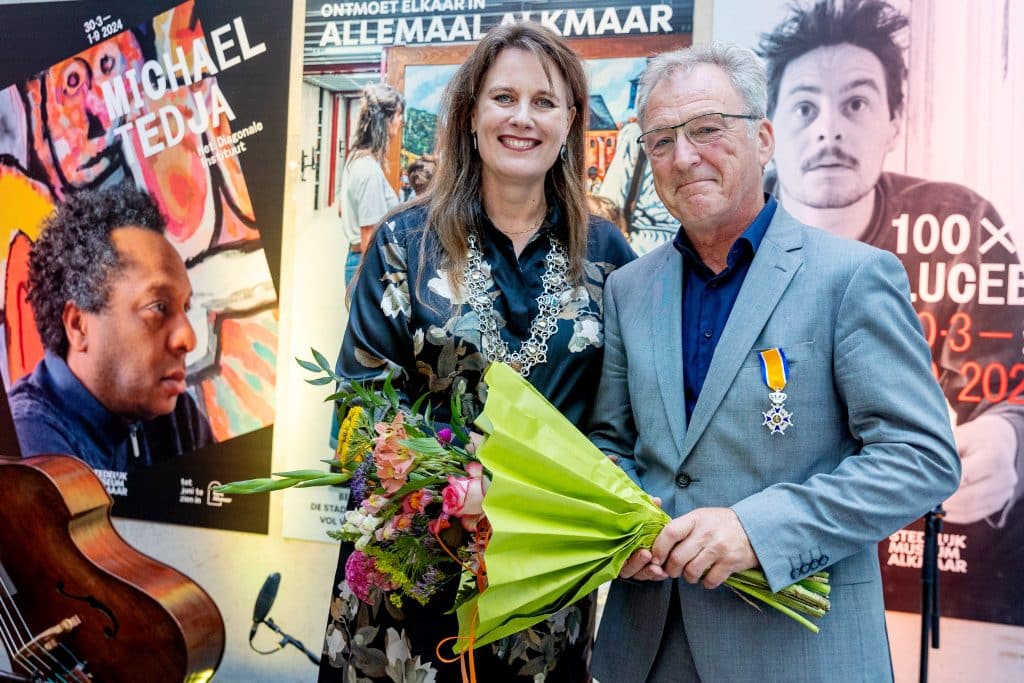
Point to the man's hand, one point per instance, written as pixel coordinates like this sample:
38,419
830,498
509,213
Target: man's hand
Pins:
639,568
706,544
988,454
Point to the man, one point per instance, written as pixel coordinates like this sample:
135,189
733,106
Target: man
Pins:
836,78
835,84
801,468
110,296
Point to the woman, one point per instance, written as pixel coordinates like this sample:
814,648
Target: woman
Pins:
366,195
499,261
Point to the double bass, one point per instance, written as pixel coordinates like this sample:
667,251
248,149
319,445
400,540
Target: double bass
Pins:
77,603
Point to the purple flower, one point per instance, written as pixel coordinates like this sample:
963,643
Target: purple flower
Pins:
357,484
444,435
427,585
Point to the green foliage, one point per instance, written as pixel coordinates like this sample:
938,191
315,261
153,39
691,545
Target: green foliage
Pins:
419,131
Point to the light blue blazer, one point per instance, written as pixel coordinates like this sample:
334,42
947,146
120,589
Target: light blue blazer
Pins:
869,451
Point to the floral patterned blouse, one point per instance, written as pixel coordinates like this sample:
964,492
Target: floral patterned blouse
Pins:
405,319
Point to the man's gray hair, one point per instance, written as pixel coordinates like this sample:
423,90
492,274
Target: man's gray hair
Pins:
743,67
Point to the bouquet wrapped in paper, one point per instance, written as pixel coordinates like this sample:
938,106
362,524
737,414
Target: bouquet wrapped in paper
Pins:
529,522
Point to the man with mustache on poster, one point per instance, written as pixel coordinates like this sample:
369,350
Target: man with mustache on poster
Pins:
110,297
836,72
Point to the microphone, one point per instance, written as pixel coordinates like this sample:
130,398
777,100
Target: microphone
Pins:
264,601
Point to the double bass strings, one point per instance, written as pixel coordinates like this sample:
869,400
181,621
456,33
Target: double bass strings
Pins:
31,653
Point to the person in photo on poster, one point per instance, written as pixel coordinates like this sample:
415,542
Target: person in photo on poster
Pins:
499,261
629,184
770,384
836,73
110,295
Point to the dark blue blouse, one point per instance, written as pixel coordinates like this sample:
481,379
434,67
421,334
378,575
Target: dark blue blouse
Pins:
405,318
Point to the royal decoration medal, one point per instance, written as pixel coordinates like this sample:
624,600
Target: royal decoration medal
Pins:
776,371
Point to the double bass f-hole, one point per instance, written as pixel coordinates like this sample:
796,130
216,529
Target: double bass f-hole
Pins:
108,631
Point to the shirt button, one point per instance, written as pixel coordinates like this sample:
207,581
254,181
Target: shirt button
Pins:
707,334
683,480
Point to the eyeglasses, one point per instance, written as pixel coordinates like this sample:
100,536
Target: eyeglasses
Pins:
700,130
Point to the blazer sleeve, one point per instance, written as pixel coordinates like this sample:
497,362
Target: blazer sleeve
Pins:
611,427
907,461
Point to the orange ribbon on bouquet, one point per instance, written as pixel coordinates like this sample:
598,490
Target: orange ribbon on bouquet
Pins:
465,658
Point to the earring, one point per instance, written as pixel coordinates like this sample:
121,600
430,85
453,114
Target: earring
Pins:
564,152
474,139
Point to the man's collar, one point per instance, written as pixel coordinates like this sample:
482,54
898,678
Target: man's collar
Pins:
77,397
752,235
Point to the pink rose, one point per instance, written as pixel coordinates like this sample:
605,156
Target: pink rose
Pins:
464,496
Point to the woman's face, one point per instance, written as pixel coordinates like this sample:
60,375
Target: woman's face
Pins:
395,123
521,119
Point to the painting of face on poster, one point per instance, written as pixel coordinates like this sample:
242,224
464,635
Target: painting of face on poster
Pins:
141,166
896,126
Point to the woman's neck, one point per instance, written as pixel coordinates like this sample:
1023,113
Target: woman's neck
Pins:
515,210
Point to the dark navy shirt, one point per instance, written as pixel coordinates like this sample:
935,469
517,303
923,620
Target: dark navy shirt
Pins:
708,298
54,413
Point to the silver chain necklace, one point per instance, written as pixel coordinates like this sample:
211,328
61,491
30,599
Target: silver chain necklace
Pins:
534,349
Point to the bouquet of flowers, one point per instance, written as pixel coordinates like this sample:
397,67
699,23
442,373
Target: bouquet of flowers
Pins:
416,489
532,520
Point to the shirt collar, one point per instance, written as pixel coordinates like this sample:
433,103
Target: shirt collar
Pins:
78,398
750,239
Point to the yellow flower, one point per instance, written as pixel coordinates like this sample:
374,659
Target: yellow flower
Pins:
345,433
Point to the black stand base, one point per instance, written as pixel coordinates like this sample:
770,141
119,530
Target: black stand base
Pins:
930,588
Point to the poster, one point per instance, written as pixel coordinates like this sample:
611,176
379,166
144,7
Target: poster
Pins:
186,101
926,170
416,46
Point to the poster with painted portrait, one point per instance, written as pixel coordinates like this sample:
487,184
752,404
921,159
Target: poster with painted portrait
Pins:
141,166
898,123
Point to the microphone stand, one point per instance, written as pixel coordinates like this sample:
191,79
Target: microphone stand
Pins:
285,640
930,587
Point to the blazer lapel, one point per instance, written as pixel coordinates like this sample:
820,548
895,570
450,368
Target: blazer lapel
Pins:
775,263
667,331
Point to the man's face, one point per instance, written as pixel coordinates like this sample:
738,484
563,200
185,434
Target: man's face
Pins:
80,130
834,126
717,186
132,353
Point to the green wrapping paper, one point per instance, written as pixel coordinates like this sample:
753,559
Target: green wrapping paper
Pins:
564,517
